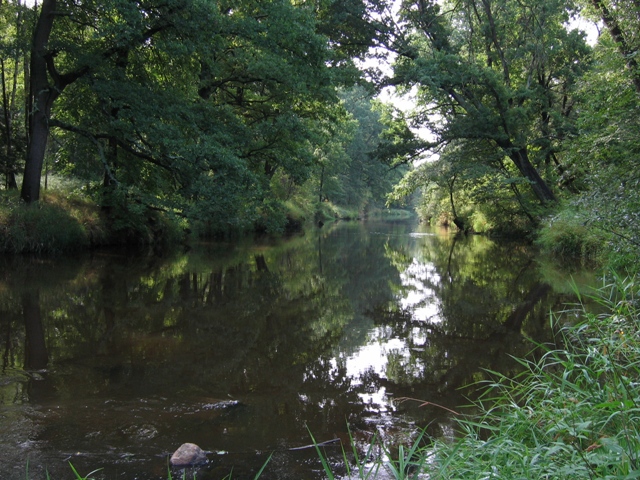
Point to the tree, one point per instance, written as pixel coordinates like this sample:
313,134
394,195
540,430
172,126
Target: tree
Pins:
189,106
494,71
139,22
368,179
622,20
13,20
602,157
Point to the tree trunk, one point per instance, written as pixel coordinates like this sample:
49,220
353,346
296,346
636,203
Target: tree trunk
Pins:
520,157
42,96
321,187
8,108
457,221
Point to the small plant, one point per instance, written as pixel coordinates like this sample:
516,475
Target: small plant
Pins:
183,477
80,477
407,463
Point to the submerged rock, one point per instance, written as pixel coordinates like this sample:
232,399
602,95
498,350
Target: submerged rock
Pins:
188,454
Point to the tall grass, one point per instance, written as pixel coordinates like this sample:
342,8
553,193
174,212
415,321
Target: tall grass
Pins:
57,223
378,460
572,414
567,236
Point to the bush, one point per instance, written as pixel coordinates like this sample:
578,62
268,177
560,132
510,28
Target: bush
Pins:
40,228
567,235
132,221
272,218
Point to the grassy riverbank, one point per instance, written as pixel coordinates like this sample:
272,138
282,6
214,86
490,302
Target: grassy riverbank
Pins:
575,413
65,220
55,224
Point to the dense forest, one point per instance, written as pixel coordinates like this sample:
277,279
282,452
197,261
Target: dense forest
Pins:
140,120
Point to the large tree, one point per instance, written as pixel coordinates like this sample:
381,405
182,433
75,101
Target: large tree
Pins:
72,41
496,72
622,20
192,103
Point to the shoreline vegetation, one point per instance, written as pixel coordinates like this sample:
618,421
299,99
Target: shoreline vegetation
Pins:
67,222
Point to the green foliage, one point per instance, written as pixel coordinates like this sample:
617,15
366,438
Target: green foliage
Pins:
470,187
39,228
391,214
131,220
571,414
480,223
14,21
272,218
194,107
493,88
568,235
602,159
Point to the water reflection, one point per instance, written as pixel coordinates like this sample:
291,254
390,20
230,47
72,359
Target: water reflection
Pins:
113,360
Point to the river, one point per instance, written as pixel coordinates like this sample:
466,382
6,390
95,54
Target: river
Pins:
111,360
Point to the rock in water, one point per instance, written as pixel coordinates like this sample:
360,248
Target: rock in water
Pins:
188,454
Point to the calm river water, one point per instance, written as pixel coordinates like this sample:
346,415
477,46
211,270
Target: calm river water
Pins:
111,360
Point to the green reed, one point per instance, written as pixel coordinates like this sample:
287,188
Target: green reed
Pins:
574,413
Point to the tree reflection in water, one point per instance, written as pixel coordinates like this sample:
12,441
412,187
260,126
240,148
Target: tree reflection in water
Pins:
236,347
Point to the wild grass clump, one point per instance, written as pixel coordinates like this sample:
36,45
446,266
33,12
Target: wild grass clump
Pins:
43,227
575,413
379,459
84,210
568,236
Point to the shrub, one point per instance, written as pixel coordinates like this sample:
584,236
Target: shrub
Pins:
567,235
41,228
272,218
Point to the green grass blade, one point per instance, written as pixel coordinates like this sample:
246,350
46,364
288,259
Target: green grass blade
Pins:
263,467
325,465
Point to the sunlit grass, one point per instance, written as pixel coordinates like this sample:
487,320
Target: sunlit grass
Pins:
84,211
61,221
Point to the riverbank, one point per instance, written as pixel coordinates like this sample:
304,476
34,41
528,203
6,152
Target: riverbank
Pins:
571,414
67,222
